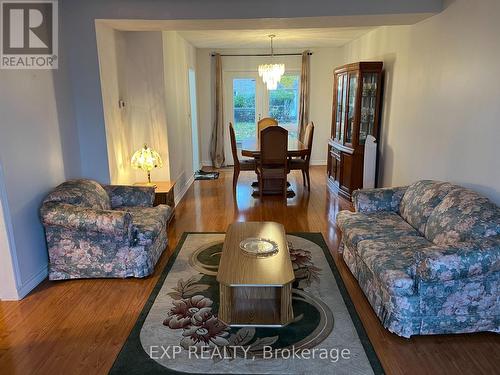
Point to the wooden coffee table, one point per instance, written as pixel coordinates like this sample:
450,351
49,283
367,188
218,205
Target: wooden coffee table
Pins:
255,290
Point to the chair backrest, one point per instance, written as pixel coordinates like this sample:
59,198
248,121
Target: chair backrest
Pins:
234,149
308,139
265,123
273,147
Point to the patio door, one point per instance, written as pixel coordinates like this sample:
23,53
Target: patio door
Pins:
247,100
243,106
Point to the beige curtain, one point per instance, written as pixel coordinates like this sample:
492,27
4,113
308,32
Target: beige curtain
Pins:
217,141
304,95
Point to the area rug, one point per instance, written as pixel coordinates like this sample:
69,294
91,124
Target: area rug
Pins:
202,175
178,330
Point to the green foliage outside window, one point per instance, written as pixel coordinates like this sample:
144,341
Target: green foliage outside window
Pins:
283,105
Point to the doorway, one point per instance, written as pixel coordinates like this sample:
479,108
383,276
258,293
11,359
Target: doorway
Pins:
247,100
193,115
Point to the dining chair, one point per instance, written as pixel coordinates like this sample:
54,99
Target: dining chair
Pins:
272,164
239,165
303,162
261,125
265,123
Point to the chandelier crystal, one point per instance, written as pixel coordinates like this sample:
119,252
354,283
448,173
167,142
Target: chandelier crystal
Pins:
271,73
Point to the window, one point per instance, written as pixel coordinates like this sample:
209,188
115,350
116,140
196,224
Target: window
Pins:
284,103
244,108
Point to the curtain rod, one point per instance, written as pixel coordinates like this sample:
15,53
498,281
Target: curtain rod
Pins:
263,54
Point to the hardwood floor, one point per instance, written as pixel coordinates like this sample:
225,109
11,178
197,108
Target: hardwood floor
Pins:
79,326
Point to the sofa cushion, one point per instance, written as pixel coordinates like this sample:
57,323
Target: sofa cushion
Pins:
130,196
393,261
472,258
463,214
148,222
81,192
357,226
378,199
420,199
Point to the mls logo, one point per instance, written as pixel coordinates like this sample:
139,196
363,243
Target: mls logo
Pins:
29,34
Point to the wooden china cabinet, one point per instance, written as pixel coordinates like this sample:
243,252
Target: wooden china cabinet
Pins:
355,115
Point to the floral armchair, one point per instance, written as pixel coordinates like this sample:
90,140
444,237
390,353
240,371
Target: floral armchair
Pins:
97,231
427,257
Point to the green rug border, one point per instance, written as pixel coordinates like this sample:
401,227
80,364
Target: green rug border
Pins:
133,360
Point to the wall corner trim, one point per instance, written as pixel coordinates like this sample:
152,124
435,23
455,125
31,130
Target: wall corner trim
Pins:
33,281
183,190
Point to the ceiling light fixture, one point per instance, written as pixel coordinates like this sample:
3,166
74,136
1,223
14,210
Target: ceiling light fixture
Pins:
271,73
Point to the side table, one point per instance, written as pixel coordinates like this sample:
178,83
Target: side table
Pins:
164,192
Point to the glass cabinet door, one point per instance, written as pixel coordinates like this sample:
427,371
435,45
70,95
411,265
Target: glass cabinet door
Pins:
338,115
343,108
353,85
368,104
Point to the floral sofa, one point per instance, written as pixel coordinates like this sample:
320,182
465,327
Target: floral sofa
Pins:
427,257
103,231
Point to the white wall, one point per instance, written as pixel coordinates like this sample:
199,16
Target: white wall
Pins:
131,69
111,47
38,150
8,261
144,96
323,62
149,71
179,56
441,107
33,159
205,87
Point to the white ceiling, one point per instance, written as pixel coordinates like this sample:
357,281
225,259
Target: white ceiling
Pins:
285,38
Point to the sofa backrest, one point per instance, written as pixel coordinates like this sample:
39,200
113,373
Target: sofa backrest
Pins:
420,200
81,192
462,215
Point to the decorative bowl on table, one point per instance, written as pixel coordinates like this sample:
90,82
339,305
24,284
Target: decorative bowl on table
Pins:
260,247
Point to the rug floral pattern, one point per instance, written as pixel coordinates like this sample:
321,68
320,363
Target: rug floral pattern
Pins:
195,314
185,314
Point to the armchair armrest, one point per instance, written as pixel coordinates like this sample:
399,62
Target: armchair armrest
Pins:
372,200
77,218
130,196
461,260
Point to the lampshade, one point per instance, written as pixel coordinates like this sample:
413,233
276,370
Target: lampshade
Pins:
146,159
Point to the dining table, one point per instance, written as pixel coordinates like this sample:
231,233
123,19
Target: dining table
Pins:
251,148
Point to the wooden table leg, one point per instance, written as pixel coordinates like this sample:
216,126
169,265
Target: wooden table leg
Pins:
225,303
250,305
286,304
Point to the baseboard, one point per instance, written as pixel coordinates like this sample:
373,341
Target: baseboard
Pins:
183,190
33,281
206,163
318,162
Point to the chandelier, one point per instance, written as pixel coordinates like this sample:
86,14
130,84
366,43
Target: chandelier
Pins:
271,73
